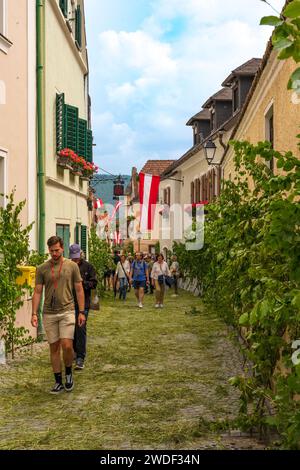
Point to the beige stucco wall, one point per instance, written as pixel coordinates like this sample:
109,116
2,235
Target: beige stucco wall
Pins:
272,88
14,107
65,73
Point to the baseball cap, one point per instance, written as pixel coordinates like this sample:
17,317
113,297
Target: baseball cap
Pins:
75,251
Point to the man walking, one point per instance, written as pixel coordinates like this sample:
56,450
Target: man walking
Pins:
139,275
60,277
89,282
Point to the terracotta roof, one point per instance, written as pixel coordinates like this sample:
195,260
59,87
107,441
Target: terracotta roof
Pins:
225,94
156,167
248,68
203,115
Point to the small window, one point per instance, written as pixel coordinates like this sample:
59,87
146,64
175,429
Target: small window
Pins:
78,26
236,101
3,23
64,7
269,131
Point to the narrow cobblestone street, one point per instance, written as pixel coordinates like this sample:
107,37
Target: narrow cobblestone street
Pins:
153,378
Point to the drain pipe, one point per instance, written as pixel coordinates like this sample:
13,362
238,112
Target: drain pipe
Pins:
40,54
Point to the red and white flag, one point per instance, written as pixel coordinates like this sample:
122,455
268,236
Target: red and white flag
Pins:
98,203
116,208
148,189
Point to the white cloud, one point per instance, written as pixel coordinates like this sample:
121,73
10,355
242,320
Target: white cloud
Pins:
153,79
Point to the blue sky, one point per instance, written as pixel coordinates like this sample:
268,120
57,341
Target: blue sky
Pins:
153,63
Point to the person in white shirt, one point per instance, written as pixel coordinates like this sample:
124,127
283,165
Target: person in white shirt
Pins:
159,272
122,273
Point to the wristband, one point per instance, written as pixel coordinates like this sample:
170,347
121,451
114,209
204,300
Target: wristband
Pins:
82,311
34,314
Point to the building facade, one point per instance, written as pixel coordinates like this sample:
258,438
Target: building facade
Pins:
18,107
18,118
191,180
145,242
271,112
67,121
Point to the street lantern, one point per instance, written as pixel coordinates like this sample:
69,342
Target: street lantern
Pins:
210,151
118,187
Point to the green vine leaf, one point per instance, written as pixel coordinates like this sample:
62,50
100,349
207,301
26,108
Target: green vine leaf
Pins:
293,9
271,21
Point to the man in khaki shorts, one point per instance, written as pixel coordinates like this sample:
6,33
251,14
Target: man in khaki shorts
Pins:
60,277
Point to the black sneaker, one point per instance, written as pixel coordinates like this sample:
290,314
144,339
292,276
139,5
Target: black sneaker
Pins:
69,385
79,364
57,389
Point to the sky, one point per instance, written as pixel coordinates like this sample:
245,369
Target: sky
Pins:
153,63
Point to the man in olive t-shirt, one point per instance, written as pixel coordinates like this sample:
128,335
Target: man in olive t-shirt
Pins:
60,277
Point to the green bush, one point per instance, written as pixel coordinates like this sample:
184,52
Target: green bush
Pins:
249,273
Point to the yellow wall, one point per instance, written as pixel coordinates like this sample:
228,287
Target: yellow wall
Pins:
272,88
65,73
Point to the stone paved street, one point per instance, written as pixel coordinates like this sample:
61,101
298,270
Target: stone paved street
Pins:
153,379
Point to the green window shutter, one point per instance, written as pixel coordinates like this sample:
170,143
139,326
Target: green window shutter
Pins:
89,146
60,120
64,7
78,26
84,238
71,127
82,138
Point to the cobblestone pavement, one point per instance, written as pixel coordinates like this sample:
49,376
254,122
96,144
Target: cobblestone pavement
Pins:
152,378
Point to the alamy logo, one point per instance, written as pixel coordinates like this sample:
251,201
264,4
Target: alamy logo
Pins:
296,354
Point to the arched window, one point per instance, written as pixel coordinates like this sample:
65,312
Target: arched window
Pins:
2,92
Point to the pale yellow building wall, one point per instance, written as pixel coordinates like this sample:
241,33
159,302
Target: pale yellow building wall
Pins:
271,89
14,104
66,71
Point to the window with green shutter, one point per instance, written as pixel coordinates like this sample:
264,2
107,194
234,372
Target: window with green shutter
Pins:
64,7
77,233
84,239
78,26
60,113
72,132
89,146
71,127
82,138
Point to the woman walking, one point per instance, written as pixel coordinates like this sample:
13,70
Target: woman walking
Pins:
122,272
159,272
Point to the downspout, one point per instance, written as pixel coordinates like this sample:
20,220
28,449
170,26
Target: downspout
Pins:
40,52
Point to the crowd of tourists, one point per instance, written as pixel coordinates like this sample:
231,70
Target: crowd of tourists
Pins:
67,285
145,273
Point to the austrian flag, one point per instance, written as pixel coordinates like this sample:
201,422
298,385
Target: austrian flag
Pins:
98,203
149,185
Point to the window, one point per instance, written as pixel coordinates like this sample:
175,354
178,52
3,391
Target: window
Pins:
192,192
3,24
78,233
2,177
83,235
64,7
63,231
71,131
2,92
235,95
78,26
269,130
167,196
